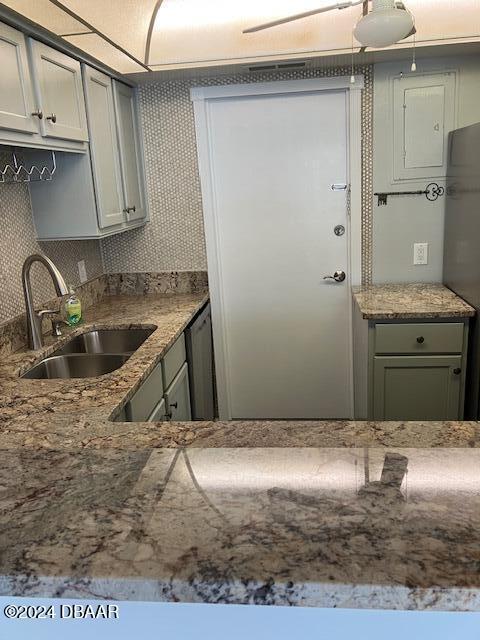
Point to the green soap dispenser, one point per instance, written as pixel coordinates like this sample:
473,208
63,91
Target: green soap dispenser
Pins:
73,308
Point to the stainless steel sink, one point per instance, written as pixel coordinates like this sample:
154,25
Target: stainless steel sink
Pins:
106,341
77,366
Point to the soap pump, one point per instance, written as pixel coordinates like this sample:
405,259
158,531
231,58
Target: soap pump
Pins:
73,308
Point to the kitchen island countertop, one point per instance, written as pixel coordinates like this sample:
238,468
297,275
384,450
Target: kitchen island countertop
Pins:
327,513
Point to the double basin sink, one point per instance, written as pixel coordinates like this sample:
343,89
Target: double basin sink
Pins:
90,354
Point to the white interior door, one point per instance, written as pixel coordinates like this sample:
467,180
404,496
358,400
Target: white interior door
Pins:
281,332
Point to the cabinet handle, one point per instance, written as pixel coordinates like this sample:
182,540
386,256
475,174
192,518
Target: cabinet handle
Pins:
51,117
420,339
457,371
38,114
128,210
174,405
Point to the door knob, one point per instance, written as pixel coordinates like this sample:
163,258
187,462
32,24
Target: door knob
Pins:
338,276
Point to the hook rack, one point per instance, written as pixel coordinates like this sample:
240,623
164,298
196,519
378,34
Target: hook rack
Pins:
432,192
18,172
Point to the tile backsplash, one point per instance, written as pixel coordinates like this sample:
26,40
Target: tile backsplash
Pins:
174,239
17,241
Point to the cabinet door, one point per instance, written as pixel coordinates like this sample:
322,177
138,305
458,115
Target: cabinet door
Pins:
417,388
177,397
16,96
58,85
159,414
130,152
103,147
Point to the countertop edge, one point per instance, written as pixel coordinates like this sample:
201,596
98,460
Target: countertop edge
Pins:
251,592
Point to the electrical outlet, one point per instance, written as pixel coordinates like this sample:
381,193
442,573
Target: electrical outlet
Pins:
82,271
420,253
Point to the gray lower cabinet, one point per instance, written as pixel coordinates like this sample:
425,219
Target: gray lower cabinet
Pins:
177,397
409,369
165,393
159,414
417,387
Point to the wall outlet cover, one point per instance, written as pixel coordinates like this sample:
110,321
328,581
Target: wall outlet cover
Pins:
420,253
82,271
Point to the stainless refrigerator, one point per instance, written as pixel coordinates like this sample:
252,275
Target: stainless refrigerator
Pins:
461,263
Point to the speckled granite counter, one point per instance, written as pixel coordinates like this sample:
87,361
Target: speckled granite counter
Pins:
373,528
28,404
304,513
396,301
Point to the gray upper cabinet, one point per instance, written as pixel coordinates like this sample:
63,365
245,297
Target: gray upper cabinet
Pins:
16,97
130,152
41,96
87,197
59,93
104,148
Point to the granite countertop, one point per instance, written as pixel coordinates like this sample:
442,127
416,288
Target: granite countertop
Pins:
397,301
295,512
27,404
332,527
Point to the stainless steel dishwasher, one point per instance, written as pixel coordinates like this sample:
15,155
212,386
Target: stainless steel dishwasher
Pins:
200,365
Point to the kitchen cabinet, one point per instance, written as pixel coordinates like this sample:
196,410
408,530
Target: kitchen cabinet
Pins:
417,388
159,414
58,87
86,197
177,397
104,149
150,393
41,96
409,369
16,95
165,394
130,152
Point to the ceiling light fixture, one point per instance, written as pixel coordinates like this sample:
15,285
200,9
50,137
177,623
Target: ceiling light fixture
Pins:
387,23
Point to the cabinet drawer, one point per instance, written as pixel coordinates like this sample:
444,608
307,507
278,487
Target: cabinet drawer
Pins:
419,338
173,360
147,397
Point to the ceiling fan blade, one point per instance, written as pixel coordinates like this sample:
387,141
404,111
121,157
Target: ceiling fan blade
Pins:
299,16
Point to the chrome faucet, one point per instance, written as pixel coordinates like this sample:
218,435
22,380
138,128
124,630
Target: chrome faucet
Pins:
34,318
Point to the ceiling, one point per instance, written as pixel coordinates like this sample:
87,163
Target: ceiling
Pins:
141,36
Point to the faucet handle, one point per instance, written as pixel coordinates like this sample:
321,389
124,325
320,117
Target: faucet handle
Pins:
57,327
47,312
